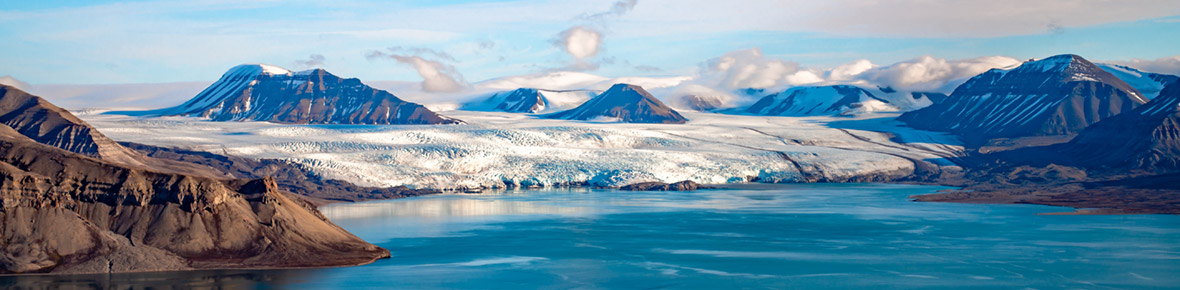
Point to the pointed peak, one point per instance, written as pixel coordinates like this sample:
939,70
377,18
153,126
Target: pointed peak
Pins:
621,86
622,89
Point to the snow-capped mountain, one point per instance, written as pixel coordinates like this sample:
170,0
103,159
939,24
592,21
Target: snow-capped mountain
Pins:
815,101
1149,84
1147,137
840,100
623,103
701,102
530,100
1059,95
269,93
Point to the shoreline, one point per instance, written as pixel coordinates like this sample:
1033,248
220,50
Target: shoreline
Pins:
1046,195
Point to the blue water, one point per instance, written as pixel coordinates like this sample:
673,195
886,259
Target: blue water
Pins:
789,236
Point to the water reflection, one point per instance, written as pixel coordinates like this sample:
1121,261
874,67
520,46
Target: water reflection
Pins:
447,207
219,279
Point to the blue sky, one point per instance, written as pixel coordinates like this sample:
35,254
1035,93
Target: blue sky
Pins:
99,42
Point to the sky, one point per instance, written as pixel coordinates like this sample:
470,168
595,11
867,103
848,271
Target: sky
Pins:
449,44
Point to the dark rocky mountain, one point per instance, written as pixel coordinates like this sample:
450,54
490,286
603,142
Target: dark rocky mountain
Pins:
817,101
1147,138
1149,84
267,93
623,103
530,100
1059,95
66,212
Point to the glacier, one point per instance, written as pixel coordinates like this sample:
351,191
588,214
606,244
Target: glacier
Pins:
497,150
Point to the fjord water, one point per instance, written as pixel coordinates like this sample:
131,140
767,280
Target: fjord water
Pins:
782,236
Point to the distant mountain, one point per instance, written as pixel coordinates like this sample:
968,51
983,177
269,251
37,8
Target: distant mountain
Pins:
68,209
701,103
815,101
1147,137
530,100
1059,95
1147,83
268,93
840,100
623,103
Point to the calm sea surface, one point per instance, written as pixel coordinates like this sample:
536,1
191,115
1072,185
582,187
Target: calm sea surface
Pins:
782,236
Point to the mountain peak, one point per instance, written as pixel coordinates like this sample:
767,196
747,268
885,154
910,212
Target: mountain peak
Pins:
259,92
625,103
1058,95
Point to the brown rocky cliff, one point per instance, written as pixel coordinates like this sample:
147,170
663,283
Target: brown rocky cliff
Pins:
63,212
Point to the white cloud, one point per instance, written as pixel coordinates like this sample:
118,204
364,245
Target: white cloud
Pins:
437,77
928,73
847,71
618,9
1165,65
10,81
312,61
583,42
749,68
580,42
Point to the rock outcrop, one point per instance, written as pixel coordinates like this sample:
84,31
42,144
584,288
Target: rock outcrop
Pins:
65,212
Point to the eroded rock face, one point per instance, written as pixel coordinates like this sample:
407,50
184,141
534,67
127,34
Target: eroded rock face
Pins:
266,93
64,212
1059,95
